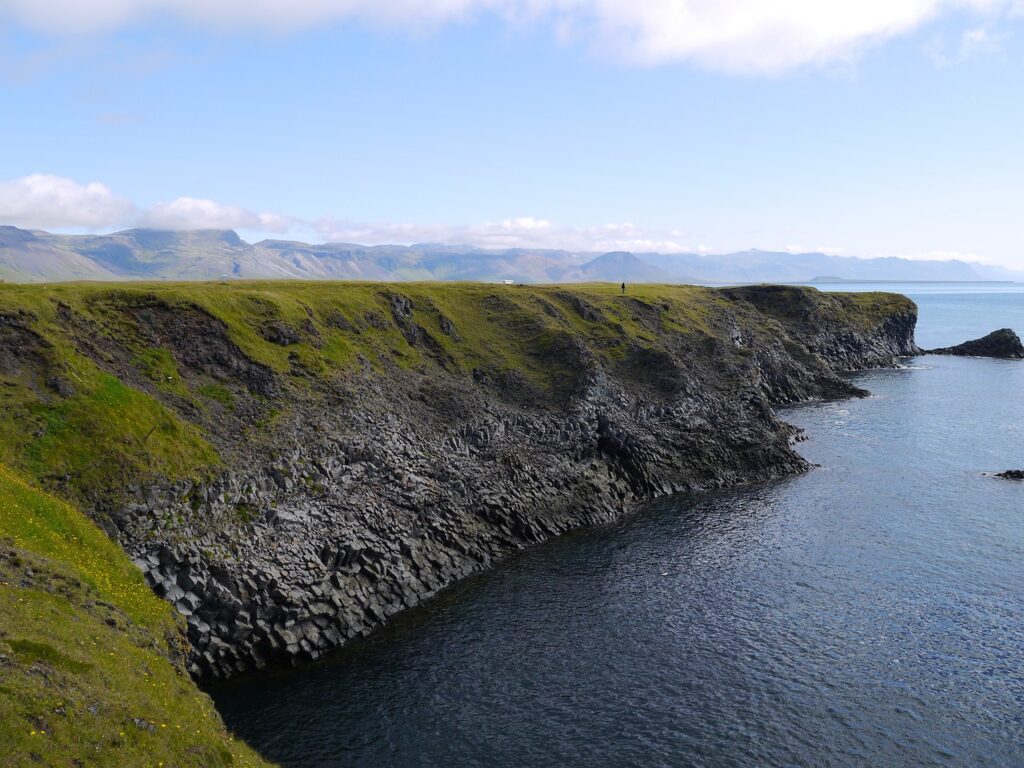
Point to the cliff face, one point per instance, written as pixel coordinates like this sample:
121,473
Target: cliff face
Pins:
375,444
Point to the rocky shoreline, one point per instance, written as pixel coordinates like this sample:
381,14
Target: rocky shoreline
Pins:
405,482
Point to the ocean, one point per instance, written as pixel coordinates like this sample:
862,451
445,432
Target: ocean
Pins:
867,613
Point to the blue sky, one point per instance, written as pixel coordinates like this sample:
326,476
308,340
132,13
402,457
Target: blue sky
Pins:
893,129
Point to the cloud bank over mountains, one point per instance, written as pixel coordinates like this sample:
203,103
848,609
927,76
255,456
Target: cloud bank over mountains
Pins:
520,232
49,202
43,201
746,36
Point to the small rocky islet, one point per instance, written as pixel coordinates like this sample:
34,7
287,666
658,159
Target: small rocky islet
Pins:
1011,474
1004,344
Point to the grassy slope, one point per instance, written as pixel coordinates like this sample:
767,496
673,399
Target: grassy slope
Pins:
112,430
84,649
863,310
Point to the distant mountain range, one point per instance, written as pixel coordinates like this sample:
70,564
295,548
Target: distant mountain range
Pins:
143,254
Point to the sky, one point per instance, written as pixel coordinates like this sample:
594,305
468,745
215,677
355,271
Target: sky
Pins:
864,128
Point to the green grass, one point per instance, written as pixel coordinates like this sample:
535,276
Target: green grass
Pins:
793,304
137,413
219,393
85,649
870,308
158,365
104,436
38,523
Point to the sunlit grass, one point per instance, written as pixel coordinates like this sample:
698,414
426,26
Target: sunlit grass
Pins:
86,673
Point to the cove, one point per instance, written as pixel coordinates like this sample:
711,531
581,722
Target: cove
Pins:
866,613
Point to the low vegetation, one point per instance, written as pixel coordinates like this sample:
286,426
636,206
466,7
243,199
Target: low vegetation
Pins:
87,672
108,385
105,385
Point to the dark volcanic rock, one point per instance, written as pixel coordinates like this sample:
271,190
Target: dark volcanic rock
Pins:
20,346
1012,474
396,483
280,333
1003,343
198,341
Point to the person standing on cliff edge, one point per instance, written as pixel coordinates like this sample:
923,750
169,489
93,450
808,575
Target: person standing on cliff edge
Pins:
623,289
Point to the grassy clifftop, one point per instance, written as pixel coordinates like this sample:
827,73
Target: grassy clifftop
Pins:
104,386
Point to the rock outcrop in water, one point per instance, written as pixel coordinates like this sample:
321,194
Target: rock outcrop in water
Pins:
1011,474
378,443
1004,344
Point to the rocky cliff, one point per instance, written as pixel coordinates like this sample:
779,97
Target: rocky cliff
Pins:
290,465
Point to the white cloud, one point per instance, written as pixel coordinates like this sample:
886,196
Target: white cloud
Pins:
53,202
754,35
972,43
942,256
523,232
194,213
828,250
42,200
75,16
731,35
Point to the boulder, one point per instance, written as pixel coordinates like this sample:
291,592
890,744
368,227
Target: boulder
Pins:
1012,474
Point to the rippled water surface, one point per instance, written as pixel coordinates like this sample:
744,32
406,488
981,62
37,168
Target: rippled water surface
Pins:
869,613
